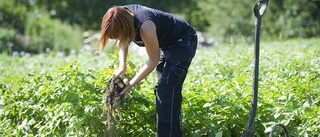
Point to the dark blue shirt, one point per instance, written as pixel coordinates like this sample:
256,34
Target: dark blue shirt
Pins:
169,27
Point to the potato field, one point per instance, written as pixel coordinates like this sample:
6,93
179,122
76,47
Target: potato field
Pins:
48,95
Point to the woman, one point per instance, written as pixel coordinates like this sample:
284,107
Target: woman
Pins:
170,43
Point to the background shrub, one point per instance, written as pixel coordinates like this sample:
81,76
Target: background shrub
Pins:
6,40
45,32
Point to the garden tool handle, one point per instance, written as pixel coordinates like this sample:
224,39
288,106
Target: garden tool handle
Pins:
260,7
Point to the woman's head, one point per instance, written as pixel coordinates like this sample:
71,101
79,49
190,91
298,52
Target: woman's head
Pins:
117,24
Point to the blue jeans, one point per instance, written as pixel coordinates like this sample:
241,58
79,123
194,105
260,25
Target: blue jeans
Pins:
172,70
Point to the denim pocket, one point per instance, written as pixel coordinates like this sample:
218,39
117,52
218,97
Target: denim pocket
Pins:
174,76
180,51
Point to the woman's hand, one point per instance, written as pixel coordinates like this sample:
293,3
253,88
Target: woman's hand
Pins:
124,91
121,71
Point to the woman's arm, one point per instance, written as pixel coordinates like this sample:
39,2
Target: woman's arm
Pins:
123,52
149,37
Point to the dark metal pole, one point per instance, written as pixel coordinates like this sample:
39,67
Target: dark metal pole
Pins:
281,126
258,9
256,72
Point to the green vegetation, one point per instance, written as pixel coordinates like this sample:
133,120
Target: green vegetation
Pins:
51,86
49,95
58,25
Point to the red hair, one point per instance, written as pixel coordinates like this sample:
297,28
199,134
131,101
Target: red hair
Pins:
117,24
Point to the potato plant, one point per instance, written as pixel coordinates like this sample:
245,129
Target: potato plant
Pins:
49,95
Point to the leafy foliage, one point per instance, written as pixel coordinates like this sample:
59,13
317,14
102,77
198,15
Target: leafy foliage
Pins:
50,33
59,104
55,96
221,20
12,15
34,30
7,40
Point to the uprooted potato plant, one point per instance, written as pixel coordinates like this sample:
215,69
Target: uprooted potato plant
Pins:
113,101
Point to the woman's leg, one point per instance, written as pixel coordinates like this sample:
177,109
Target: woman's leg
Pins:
172,71
169,98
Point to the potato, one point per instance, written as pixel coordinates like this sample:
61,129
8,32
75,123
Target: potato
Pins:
126,81
120,85
117,80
